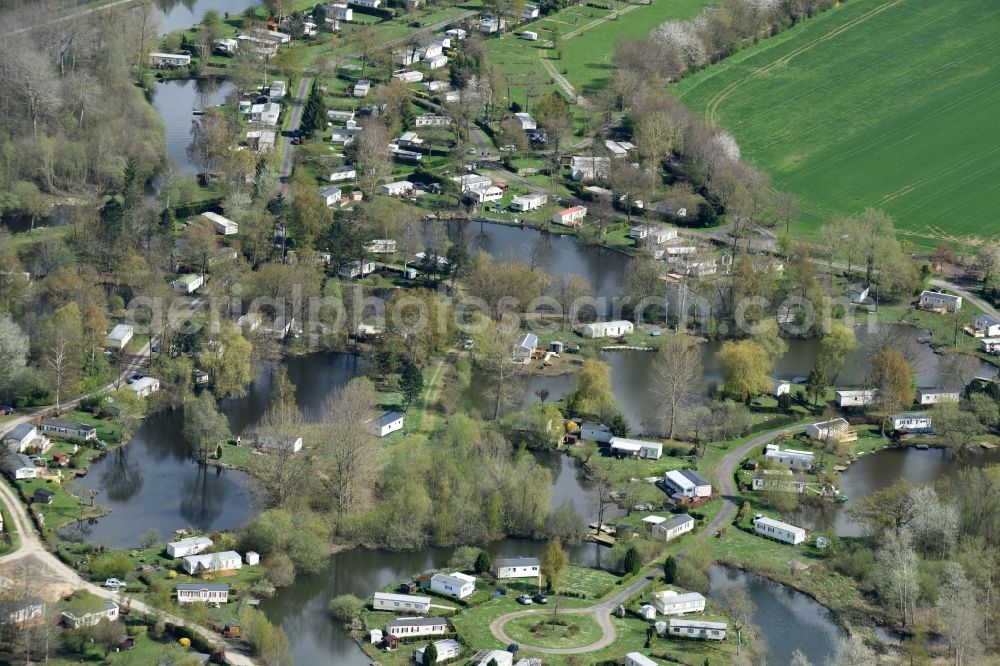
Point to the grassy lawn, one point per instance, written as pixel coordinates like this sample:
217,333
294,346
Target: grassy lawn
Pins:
554,631
588,582
919,140
64,507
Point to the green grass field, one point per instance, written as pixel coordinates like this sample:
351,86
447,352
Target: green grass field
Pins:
884,103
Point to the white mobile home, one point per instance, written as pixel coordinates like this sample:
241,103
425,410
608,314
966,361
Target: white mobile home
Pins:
403,603
605,329
119,337
686,484
915,422
516,567
669,602
278,443
489,194
528,202
356,269
408,76
68,429
790,458
261,141
860,398
266,114
209,593
456,585
986,326
169,60
361,88
710,631
387,424
408,627
446,650
530,12
473,182
834,429
570,217
342,175
990,345
636,447
932,396
525,121
223,225
145,386
397,189
189,546
637,659
228,560
188,284
436,62
596,432
524,347
673,527
775,529
331,196
935,300
529,35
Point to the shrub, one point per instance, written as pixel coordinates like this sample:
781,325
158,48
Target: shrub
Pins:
463,558
483,562
112,565
346,607
280,570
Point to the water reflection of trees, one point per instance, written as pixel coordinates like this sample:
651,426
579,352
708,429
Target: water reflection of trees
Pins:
121,478
203,497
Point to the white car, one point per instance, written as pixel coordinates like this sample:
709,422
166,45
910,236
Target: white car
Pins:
114,583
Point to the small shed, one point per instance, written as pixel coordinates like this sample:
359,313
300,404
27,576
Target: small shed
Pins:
647,612
231,630
252,558
42,496
375,636
390,642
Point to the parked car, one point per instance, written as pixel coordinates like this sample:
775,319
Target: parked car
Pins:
136,377
541,599
524,600
513,648
469,344
114,583
6,410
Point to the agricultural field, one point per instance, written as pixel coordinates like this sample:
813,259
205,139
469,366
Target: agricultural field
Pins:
883,103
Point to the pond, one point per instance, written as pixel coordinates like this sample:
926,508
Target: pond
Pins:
176,101
153,482
302,608
788,619
183,14
882,468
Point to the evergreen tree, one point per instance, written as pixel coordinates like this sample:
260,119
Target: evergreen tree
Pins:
670,569
314,115
618,425
168,221
633,561
411,383
816,382
483,562
430,652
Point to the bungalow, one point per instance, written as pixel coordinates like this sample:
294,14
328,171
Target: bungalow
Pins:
986,326
637,659
409,627
446,650
361,88
408,603
935,300
458,34
530,12
266,114
436,62
525,121
398,188
228,560
408,76
431,120
21,438
528,202
636,447
381,246
169,60
276,90
387,424
223,225
570,217
860,398
342,175
23,612
605,329
90,614
932,396
686,484
669,602
431,50
917,422
119,337
405,58
775,529
261,141
673,527
209,593
524,347
22,466
145,386
489,194
188,284
790,458
331,196
189,546
711,631
990,345
618,149
516,567
488,25
589,168
596,432
834,429
473,182
339,11
356,269
458,585
68,429
278,443
493,658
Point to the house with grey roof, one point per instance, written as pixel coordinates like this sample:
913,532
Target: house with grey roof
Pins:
516,567
407,627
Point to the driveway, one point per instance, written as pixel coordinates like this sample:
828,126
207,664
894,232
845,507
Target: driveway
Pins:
602,612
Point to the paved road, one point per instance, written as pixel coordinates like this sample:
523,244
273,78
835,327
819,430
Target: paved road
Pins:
969,296
602,611
298,105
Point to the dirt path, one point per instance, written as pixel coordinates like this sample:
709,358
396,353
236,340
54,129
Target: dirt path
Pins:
565,84
602,612
431,397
